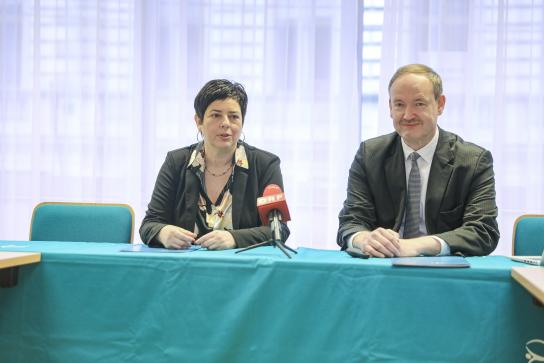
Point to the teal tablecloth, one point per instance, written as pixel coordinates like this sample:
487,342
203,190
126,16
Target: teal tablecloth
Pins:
88,302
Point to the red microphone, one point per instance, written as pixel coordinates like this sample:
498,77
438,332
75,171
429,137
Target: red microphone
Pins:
273,199
273,211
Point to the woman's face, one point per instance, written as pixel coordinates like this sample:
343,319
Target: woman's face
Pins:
221,125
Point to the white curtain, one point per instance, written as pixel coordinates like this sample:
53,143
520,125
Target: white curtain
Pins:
94,93
490,55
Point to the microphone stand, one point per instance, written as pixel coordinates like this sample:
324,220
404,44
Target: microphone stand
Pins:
276,241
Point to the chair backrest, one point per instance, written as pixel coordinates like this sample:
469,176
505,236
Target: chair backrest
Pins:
82,222
528,236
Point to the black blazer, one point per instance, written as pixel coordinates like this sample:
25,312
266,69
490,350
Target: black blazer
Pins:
460,203
175,197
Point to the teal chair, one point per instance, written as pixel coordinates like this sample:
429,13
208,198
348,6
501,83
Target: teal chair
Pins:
528,236
82,222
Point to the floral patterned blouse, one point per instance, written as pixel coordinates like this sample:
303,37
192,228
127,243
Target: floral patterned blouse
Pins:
216,216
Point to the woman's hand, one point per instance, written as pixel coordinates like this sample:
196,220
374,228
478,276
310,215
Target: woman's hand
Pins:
176,237
217,240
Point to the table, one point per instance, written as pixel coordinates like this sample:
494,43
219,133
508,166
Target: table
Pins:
89,302
9,265
532,278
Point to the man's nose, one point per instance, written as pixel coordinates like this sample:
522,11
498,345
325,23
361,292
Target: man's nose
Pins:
409,114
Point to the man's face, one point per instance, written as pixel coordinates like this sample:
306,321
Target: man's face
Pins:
414,109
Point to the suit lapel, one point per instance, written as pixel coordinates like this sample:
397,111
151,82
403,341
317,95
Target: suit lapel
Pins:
238,194
395,176
439,176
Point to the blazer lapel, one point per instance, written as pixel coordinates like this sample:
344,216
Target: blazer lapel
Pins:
188,210
439,176
395,176
238,194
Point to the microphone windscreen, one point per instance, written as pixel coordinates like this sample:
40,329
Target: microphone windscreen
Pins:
272,199
272,189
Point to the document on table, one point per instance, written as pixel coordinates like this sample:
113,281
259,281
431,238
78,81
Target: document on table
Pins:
434,261
145,248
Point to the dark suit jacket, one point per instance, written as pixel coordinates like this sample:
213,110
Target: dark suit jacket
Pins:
175,197
460,203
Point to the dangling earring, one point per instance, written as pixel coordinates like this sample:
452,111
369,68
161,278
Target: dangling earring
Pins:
243,137
197,134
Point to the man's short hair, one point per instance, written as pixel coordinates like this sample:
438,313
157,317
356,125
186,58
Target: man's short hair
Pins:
220,89
423,70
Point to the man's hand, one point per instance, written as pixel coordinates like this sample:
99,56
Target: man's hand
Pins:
426,246
175,237
380,242
217,240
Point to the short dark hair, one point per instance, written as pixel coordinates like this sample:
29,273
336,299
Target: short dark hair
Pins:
423,70
220,89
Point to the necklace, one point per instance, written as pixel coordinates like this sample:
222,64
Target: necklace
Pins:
218,174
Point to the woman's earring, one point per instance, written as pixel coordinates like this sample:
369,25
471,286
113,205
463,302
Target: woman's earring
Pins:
243,137
197,134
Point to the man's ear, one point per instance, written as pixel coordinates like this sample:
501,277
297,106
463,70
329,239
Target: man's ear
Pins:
390,109
441,104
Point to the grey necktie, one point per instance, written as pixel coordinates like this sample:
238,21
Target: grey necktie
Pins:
411,220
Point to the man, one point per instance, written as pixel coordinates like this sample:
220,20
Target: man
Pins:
420,190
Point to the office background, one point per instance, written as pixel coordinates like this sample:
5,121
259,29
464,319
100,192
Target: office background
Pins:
94,93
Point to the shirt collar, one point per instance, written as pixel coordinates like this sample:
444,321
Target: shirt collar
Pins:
240,157
197,157
426,152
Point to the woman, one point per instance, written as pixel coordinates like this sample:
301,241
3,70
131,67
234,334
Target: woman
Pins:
206,193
